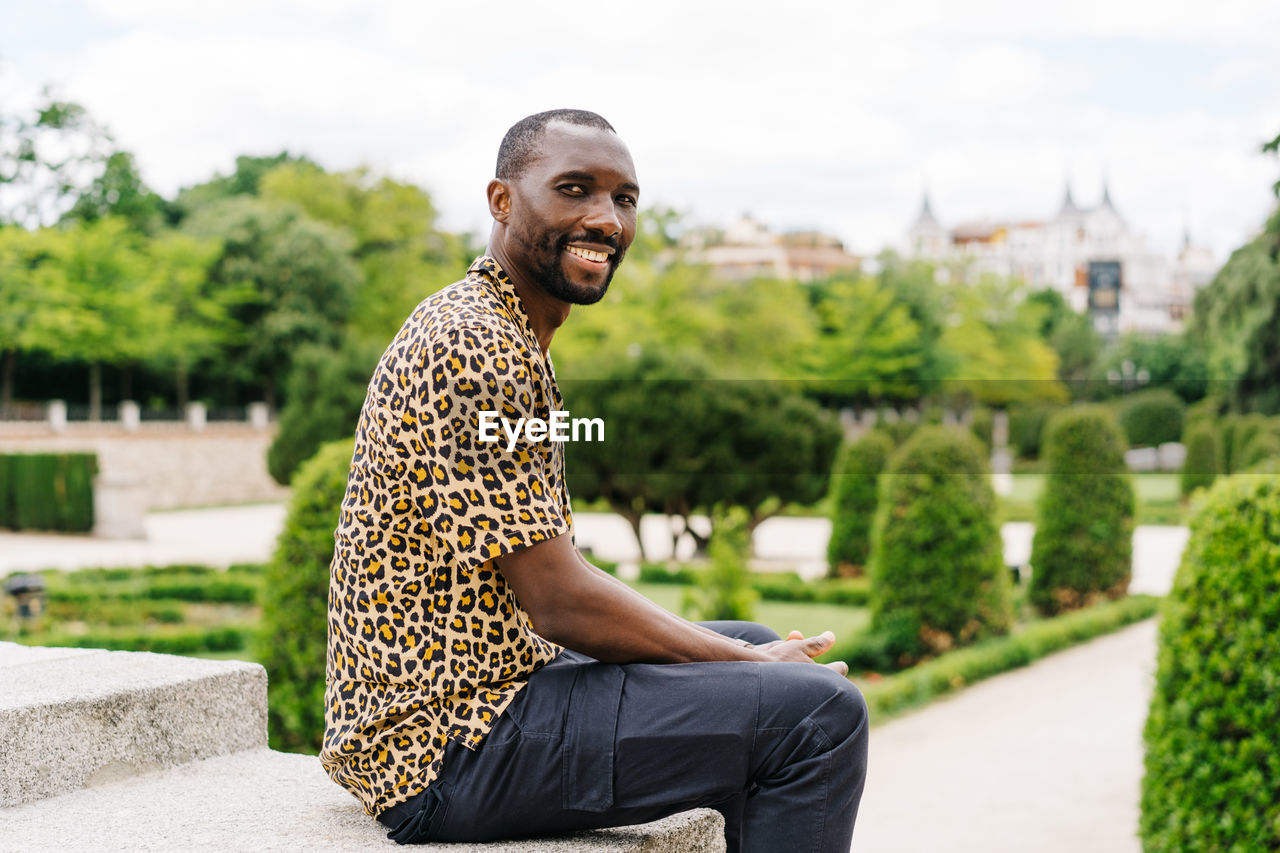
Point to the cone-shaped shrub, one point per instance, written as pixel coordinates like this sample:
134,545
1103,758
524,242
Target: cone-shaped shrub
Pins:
937,576
1204,457
854,492
1152,417
295,600
1083,545
1211,758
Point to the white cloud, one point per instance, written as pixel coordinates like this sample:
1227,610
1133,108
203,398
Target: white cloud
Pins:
805,113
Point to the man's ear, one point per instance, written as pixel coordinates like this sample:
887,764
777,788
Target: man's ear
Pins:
499,200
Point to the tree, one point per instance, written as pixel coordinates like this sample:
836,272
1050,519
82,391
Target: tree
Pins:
1236,320
119,191
723,591
402,254
870,347
32,303
47,159
1072,337
295,279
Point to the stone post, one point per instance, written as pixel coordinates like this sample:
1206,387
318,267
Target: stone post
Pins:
119,506
130,415
259,415
1000,428
197,416
57,414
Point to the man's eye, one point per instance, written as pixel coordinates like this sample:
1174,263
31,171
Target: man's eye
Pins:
628,200
573,189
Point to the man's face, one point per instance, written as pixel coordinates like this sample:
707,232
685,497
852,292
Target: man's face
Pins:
573,212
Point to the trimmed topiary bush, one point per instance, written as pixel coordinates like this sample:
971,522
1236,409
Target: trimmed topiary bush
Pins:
937,576
855,487
1152,417
1083,545
1204,457
1211,760
1263,446
1026,427
1243,430
291,641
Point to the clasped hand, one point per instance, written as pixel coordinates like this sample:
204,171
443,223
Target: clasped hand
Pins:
799,648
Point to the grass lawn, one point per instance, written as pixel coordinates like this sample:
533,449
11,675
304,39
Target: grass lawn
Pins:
1158,494
781,616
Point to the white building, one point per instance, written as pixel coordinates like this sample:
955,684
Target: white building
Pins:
748,249
1154,292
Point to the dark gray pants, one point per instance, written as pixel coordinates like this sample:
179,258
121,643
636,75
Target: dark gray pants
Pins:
780,749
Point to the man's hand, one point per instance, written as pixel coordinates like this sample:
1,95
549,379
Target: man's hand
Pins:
798,647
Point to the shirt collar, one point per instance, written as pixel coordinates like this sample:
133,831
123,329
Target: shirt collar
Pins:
488,269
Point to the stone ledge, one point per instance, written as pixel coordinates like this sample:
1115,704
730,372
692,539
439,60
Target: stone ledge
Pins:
71,718
269,801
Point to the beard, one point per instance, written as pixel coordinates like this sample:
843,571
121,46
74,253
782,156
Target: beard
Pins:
546,260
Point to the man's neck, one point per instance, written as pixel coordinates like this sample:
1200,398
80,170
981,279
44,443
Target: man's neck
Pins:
546,313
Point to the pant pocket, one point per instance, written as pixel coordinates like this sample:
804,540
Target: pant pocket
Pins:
590,729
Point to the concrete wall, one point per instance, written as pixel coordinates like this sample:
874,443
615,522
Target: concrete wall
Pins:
224,464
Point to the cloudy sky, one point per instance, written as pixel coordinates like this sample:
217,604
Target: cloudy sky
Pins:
807,115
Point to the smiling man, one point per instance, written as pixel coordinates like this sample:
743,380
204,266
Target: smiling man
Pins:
484,680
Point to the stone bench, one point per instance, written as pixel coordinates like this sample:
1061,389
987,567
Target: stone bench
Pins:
130,750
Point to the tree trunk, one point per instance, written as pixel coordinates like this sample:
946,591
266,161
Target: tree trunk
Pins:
95,391
182,381
6,384
633,518
126,382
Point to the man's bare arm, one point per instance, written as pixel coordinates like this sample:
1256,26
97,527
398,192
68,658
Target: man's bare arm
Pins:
576,605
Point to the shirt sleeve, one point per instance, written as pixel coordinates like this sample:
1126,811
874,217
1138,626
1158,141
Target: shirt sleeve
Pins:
481,498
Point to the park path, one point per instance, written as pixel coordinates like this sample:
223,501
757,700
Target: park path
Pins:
1046,759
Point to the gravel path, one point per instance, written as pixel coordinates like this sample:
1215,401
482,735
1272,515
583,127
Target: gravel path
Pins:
1045,759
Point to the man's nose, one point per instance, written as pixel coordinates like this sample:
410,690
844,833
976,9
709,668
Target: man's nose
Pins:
603,216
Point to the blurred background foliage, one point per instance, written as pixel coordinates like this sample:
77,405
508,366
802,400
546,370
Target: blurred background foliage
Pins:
282,281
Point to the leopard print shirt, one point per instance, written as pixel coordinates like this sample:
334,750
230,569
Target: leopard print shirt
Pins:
427,643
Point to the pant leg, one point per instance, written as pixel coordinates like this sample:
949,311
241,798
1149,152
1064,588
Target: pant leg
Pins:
780,749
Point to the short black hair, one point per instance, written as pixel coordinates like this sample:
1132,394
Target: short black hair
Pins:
520,145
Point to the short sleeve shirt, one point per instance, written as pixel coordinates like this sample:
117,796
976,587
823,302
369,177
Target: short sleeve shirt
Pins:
427,644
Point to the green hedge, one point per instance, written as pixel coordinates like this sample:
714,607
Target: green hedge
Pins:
1152,417
982,423
927,681
47,491
1211,760
163,640
1083,544
937,574
775,586
855,487
291,641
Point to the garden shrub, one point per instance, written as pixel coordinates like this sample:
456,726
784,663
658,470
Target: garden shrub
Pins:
1152,417
937,574
1263,446
291,641
1211,758
982,423
1026,427
1204,457
900,430
1083,544
1245,428
854,490
723,591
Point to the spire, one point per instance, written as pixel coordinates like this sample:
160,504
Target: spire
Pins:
1068,203
926,216
1106,194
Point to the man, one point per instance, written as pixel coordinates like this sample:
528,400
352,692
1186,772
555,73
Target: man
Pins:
484,680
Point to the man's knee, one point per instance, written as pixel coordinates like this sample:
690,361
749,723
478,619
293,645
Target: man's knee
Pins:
818,694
